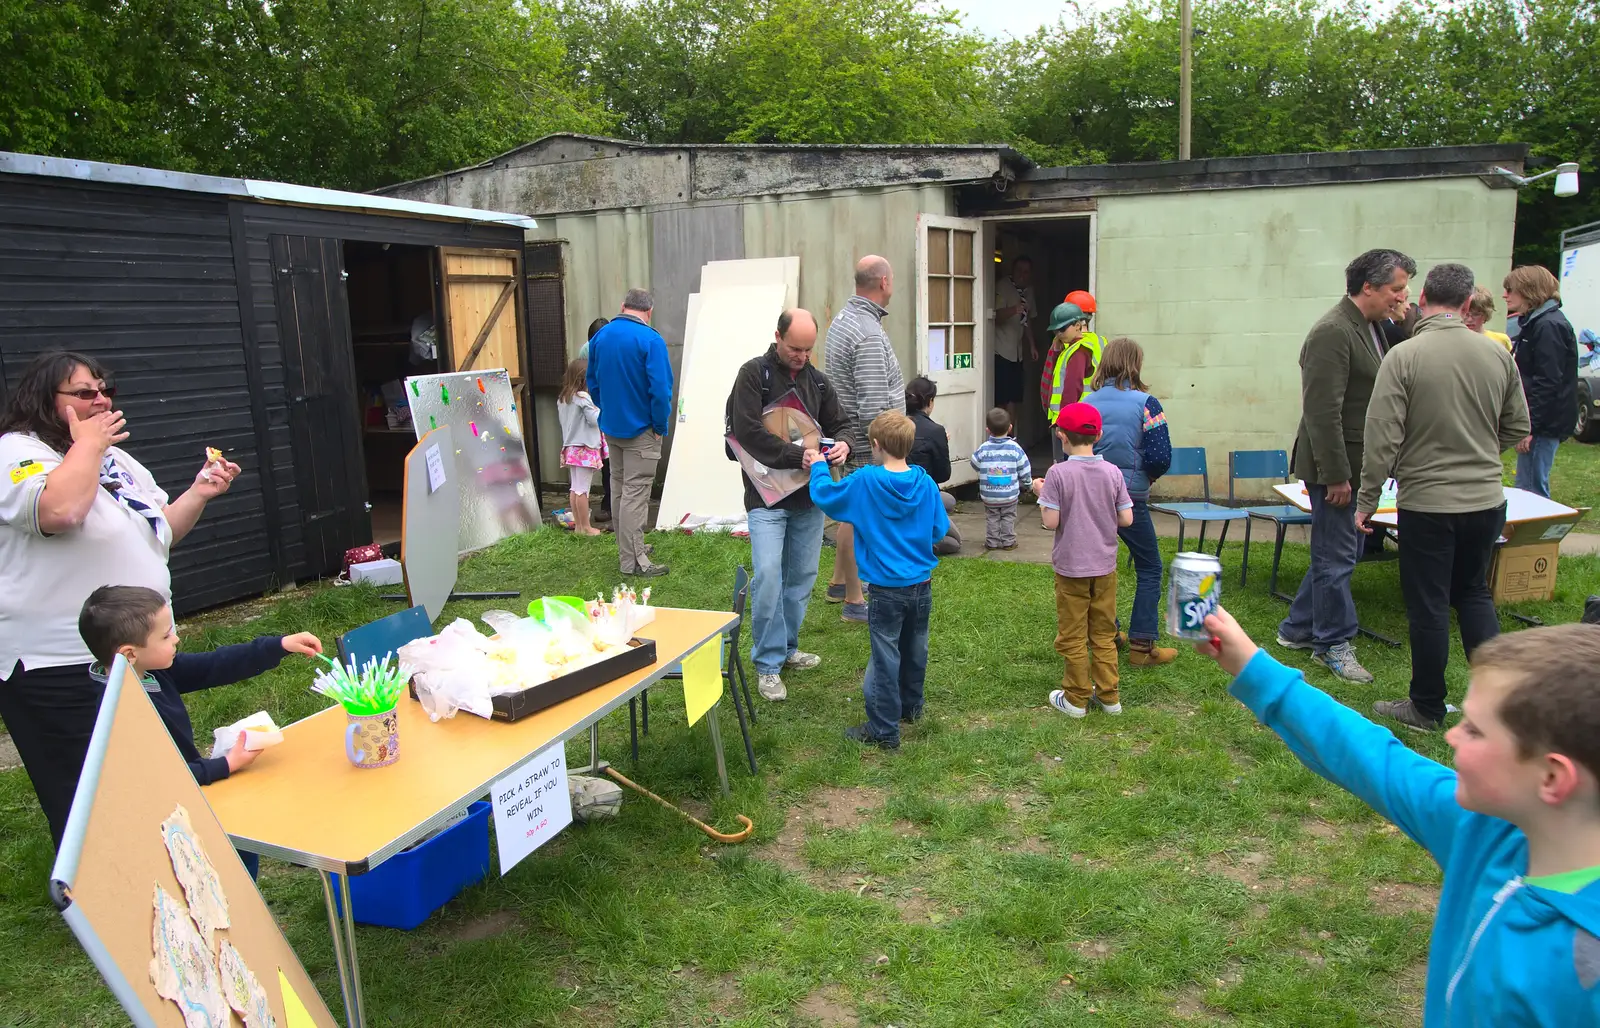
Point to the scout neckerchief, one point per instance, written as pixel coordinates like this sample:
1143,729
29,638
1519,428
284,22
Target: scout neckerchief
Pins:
121,485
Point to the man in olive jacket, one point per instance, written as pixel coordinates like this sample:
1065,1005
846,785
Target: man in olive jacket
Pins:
1338,364
786,538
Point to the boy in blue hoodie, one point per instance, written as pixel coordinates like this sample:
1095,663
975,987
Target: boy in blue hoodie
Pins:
898,516
1515,826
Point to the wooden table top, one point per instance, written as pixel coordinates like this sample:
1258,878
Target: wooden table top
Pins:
303,801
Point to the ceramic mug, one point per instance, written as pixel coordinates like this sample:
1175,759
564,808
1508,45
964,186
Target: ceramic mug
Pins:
372,740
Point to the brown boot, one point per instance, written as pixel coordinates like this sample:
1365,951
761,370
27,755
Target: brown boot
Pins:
1145,654
1122,640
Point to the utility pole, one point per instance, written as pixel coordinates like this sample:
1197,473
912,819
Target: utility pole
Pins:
1185,67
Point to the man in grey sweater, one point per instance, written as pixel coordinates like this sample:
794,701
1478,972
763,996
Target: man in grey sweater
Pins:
1444,407
861,365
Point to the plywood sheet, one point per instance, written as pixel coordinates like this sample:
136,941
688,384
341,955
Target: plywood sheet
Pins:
732,325
430,524
113,857
757,271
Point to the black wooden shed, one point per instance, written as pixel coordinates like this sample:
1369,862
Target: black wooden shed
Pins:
273,321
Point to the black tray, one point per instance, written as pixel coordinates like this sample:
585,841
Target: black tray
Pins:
640,653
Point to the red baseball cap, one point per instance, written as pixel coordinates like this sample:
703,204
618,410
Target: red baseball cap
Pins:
1079,418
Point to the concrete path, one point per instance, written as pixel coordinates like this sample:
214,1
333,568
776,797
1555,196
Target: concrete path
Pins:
1033,543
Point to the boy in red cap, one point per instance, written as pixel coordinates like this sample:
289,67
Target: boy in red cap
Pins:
1084,499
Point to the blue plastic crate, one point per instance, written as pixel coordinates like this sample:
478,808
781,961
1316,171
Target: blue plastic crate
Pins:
405,890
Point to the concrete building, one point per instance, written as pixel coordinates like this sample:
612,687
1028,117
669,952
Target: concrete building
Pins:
1217,267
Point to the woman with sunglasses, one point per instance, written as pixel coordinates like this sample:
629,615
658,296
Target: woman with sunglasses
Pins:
76,513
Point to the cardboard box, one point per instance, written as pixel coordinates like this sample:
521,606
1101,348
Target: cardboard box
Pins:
1524,568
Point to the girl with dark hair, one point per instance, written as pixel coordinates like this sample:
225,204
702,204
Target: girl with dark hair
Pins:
930,451
76,513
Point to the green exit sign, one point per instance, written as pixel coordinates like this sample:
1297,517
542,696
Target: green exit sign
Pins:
960,361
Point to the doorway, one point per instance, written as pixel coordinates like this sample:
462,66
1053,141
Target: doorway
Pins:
394,334
1061,250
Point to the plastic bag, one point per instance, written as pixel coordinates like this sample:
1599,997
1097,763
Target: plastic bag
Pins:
259,732
452,671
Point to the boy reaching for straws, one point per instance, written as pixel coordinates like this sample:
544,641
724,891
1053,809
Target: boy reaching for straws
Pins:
1515,825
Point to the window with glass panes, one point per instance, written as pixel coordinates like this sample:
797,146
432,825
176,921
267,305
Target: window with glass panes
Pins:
952,280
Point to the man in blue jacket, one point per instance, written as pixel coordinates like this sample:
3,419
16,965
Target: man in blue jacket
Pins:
630,380
1515,825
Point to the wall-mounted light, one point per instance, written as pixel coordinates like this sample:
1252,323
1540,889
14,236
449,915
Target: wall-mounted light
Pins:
1566,174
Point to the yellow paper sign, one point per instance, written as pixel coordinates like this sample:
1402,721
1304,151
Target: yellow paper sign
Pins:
294,1011
702,679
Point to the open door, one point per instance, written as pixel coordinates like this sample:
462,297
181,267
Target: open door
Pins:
480,313
952,347
319,378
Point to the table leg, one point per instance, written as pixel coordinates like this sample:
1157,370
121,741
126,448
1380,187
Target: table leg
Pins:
350,1011
350,950
594,745
716,744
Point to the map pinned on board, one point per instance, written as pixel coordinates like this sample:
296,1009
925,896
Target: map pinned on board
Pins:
208,905
293,1010
243,990
181,966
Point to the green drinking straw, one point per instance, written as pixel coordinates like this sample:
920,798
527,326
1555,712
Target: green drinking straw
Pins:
373,688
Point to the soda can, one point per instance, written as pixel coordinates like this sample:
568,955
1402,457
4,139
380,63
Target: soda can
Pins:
1194,590
825,444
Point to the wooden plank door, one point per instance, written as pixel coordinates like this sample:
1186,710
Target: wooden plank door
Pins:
482,320
324,413
952,348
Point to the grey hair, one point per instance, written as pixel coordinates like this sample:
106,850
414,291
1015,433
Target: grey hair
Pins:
1376,268
871,271
638,300
1449,285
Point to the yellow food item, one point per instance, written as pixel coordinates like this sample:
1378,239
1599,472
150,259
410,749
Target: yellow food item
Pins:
213,455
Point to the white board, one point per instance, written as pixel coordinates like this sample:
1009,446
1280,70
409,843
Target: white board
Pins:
758,271
731,325
1580,287
430,521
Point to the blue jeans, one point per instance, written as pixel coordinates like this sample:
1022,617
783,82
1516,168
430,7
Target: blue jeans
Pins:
1323,612
897,619
1140,539
784,548
1533,467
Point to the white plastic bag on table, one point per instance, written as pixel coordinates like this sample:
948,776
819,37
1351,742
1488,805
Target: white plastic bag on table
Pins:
258,729
452,671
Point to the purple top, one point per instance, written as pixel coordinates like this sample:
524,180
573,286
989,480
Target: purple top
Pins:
1089,493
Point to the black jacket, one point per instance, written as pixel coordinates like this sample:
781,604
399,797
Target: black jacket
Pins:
930,450
1546,352
760,381
191,672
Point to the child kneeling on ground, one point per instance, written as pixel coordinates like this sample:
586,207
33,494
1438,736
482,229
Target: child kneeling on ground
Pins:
1084,499
898,517
1515,826
137,623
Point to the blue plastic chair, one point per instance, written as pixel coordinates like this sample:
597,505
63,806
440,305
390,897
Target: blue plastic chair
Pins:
1190,461
385,636
1259,464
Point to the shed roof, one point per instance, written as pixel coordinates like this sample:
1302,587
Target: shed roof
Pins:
251,189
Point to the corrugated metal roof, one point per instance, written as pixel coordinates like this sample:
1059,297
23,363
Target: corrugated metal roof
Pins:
253,189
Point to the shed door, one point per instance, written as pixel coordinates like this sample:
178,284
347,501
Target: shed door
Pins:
481,317
320,380
952,348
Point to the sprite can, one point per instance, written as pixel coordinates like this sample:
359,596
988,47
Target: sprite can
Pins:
1194,591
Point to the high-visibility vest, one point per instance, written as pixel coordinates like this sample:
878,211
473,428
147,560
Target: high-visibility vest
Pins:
1092,343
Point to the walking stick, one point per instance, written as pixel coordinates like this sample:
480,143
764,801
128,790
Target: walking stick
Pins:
749,826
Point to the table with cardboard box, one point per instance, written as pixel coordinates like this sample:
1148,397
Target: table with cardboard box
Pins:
1525,559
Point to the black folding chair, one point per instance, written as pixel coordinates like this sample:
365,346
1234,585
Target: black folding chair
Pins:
731,662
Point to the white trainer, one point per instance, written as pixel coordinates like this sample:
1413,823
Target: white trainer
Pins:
771,687
1058,700
800,660
1109,708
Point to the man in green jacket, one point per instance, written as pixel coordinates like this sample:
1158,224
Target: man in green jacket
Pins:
1338,363
1444,408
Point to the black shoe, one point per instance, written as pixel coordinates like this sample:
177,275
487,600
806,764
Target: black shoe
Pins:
1406,712
863,734
911,718
600,517
651,571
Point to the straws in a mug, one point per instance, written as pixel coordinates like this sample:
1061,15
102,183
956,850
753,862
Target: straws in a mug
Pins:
374,688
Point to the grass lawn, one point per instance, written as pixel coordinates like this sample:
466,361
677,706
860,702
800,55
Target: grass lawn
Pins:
1007,867
1574,478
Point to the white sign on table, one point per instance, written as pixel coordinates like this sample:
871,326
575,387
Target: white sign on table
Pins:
435,468
531,806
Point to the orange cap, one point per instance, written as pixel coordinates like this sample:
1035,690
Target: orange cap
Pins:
1083,299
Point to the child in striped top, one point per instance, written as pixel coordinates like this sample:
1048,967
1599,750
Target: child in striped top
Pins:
1003,468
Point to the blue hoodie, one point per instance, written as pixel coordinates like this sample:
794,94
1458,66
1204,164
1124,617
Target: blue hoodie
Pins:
897,515
1504,953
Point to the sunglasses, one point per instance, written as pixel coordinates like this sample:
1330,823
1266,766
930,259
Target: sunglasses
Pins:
88,395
